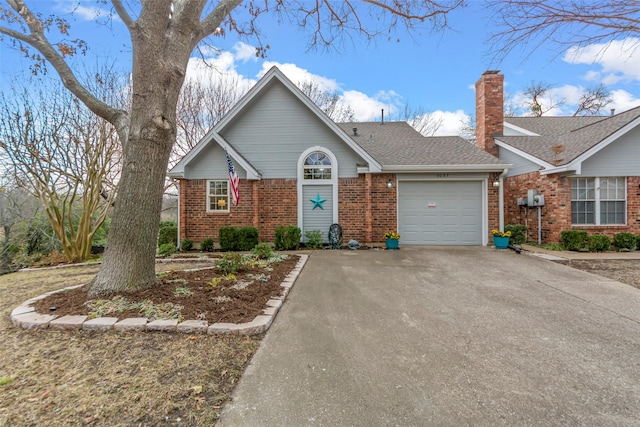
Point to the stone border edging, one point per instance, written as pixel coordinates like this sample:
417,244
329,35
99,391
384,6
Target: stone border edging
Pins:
26,317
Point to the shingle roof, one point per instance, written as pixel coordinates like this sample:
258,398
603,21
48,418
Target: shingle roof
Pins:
398,144
552,125
567,142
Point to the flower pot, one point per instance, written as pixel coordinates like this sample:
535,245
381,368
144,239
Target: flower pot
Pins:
501,242
392,244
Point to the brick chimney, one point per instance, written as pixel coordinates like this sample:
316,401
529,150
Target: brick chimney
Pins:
489,110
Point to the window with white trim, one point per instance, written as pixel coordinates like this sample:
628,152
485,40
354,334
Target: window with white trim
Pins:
317,165
599,201
217,196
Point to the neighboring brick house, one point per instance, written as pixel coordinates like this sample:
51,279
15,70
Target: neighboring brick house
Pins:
297,167
587,168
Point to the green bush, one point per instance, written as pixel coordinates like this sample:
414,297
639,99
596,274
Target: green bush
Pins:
624,241
230,263
168,233
227,238
314,239
262,251
166,249
518,233
573,240
287,238
186,245
246,238
207,245
598,243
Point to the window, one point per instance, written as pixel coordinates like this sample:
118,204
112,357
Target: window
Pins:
598,201
218,196
317,165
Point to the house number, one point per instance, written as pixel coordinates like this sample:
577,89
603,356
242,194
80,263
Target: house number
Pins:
442,175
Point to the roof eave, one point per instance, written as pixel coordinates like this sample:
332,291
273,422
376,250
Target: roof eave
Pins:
446,168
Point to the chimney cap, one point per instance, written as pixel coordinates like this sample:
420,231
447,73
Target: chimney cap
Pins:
491,72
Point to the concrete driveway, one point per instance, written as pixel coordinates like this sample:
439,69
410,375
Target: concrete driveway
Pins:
445,336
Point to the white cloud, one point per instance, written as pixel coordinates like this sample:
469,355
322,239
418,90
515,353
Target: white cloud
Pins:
451,121
622,100
366,108
300,75
244,52
619,60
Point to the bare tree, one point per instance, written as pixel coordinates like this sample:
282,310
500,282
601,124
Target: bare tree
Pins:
593,100
536,105
64,155
419,118
163,35
329,102
529,24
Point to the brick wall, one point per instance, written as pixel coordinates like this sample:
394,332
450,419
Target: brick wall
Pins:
556,213
489,110
383,203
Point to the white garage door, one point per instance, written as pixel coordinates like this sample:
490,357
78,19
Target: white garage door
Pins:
440,213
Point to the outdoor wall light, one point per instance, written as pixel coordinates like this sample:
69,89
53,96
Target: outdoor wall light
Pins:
390,184
496,183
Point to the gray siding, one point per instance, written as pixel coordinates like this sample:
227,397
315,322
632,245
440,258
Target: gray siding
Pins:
211,163
276,128
520,164
620,158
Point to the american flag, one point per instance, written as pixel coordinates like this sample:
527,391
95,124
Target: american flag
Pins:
235,182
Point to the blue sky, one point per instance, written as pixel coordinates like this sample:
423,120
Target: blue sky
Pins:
433,71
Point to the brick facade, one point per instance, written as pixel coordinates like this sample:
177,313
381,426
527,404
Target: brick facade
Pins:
366,208
489,110
556,212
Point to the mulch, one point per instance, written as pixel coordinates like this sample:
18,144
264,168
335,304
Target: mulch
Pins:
232,300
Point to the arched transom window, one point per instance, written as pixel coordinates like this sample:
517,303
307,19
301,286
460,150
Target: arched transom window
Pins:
317,165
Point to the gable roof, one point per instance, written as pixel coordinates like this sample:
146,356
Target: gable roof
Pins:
563,144
398,147
273,76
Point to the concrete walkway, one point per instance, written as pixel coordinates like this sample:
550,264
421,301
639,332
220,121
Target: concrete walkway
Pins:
445,336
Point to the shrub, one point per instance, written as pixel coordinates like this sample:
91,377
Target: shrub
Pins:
168,233
573,240
598,243
314,239
227,238
287,238
518,233
207,245
166,249
246,238
186,245
638,241
624,241
230,263
262,251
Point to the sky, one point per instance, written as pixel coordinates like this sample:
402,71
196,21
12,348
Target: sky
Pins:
435,72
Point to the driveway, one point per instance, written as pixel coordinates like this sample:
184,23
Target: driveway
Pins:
445,336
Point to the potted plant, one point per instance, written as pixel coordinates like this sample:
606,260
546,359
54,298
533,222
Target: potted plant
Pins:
501,238
392,239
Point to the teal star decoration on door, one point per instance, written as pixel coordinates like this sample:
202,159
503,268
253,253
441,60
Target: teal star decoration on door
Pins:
317,202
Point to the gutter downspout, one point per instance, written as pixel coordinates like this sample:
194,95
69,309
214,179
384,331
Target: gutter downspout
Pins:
501,200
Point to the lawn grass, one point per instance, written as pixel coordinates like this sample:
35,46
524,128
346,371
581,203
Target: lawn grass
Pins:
58,378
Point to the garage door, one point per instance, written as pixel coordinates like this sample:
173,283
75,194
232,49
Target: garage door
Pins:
440,213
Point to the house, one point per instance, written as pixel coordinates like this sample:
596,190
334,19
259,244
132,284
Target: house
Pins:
297,167
587,169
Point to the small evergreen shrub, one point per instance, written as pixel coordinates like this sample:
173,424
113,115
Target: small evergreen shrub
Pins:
168,233
186,245
262,251
207,245
573,240
230,263
227,238
598,243
624,241
287,238
314,239
246,238
166,249
518,233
